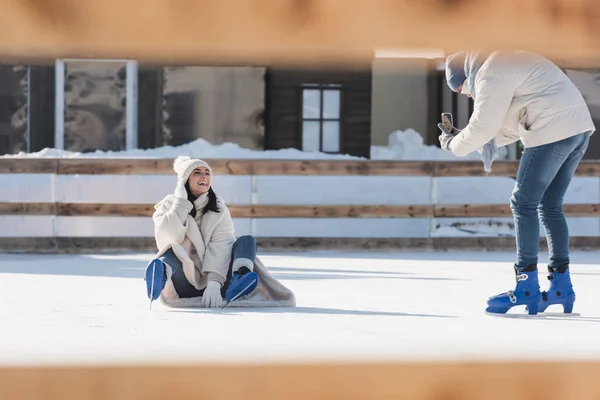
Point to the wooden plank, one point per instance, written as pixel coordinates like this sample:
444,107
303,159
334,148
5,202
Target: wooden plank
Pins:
588,168
340,243
248,167
142,166
286,244
472,210
10,165
468,380
475,168
75,245
500,168
290,31
105,209
503,210
292,211
237,211
27,208
330,211
29,245
114,166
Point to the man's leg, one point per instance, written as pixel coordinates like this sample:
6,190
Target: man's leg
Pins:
537,169
557,232
550,208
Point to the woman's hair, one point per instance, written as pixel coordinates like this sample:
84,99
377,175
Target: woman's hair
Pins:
210,206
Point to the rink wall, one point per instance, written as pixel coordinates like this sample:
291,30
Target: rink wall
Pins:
107,203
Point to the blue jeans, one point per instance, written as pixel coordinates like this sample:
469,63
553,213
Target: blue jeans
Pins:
244,247
544,175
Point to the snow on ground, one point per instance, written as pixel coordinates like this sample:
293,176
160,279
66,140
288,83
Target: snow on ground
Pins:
402,145
92,309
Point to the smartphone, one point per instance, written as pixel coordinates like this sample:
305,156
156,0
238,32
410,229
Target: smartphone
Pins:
447,121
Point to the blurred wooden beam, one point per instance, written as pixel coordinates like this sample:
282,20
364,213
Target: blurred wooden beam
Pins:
348,381
292,31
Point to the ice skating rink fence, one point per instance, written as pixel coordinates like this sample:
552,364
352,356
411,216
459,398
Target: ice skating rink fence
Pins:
100,204
292,32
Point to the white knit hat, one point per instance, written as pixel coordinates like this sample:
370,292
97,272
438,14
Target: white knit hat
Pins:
184,166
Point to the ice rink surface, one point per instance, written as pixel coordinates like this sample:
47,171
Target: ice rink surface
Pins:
380,306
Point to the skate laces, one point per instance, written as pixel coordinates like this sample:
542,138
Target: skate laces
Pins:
511,293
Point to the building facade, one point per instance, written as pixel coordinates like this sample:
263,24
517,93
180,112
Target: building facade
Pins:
334,110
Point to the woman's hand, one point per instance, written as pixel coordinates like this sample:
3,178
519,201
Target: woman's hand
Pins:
212,295
180,190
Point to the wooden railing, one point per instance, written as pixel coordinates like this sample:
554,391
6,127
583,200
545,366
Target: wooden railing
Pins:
144,166
290,211
432,169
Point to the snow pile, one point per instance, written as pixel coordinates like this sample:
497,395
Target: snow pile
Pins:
409,145
402,145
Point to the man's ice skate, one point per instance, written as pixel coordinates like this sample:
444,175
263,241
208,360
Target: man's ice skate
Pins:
560,291
527,293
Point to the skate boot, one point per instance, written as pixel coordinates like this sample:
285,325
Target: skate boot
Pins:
527,292
156,279
560,291
243,282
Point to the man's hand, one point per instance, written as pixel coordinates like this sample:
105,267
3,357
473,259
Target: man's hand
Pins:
445,138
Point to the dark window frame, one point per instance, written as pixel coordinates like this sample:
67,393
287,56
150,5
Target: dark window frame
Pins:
322,87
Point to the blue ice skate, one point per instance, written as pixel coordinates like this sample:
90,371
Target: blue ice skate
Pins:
241,284
560,291
527,292
156,279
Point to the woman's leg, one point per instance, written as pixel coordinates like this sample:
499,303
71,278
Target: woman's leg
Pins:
164,267
241,280
182,286
243,254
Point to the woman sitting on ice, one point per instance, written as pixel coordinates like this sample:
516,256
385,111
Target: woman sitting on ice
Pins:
200,261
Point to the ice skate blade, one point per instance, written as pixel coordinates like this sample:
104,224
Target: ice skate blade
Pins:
559,314
536,316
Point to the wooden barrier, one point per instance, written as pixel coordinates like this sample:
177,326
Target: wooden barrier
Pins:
291,31
302,381
105,166
291,211
434,169
86,245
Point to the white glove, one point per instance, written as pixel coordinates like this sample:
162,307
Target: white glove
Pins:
212,295
446,137
180,190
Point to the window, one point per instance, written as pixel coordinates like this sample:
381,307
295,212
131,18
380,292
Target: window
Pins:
321,110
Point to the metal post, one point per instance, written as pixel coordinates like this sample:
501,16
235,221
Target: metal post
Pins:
59,104
433,189
28,121
253,201
131,105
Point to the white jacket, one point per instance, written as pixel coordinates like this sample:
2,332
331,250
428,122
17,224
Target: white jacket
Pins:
203,245
522,96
